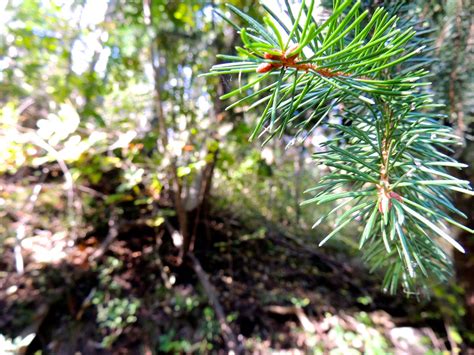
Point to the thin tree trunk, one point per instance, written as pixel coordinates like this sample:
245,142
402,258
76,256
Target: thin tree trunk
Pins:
173,179
464,263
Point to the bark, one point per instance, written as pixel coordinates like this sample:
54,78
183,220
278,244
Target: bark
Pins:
464,263
174,181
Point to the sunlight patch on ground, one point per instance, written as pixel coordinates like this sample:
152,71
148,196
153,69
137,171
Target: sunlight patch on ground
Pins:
46,247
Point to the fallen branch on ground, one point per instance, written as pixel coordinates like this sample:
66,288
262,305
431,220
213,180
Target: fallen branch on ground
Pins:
229,337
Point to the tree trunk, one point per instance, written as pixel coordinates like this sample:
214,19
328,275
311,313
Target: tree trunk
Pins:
464,263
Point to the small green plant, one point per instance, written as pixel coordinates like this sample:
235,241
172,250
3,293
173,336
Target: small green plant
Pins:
388,157
168,344
115,315
115,312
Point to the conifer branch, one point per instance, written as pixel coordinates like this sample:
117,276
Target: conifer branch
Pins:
388,165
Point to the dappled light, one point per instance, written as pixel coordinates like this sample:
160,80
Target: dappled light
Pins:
285,177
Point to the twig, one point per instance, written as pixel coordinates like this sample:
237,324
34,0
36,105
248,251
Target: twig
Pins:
22,222
229,337
306,323
111,235
159,263
69,181
435,340
91,191
452,343
204,189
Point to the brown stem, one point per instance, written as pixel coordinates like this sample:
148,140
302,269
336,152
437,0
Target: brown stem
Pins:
204,190
384,189
286,61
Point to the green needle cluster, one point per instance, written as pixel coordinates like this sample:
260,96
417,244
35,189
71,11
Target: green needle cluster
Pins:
389,161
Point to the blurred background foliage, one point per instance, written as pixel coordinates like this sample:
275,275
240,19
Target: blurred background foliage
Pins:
110,143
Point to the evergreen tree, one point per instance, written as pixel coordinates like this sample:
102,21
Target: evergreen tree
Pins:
389,157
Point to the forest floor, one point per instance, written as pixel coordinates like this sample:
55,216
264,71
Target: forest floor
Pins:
117,290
